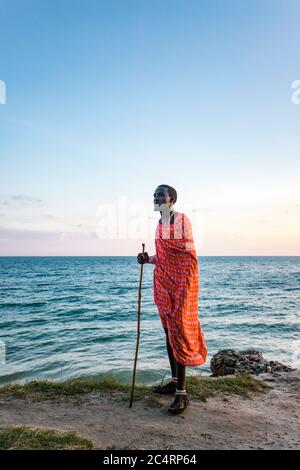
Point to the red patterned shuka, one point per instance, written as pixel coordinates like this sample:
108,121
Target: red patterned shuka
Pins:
176,287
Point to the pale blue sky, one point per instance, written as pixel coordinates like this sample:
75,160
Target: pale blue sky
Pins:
111,98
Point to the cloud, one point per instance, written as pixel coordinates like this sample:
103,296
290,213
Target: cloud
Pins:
25,198
85,228
20,200
21,234
21,242
48,216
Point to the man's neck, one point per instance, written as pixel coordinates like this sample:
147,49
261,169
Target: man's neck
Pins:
168,218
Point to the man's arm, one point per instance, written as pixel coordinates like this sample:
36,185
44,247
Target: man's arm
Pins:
152,259
145,258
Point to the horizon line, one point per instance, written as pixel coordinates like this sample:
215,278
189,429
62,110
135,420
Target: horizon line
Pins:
134,256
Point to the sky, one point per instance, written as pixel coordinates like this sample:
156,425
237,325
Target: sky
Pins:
104,100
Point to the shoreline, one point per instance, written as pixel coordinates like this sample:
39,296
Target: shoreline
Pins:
225,413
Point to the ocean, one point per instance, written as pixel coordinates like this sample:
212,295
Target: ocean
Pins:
66,317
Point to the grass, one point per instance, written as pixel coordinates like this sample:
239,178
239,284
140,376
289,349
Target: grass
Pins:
205,387
50,390
25,437
198,387
153,400
29,438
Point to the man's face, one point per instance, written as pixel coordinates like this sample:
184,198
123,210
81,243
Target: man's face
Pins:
161,198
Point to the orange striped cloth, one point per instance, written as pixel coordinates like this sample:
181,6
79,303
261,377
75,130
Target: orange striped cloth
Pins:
176,287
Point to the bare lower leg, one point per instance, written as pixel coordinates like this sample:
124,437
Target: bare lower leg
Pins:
178,370
181,400
181,376
172,360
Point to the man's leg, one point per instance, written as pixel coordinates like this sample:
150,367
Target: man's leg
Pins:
170,387
178,370
181,376
181,400
172,360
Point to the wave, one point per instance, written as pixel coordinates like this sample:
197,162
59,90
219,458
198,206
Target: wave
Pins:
82,319
22,304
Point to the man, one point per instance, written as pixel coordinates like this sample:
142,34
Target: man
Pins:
176,286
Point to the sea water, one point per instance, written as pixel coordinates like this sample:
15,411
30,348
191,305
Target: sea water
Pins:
66,317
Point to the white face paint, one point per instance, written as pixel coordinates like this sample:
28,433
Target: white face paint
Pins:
161,199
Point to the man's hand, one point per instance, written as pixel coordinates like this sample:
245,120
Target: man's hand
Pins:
143,258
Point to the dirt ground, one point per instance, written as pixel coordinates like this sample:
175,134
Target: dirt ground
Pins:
266,421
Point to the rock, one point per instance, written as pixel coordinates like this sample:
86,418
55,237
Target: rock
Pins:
231,362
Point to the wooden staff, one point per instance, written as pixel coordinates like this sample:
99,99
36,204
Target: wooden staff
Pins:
138,330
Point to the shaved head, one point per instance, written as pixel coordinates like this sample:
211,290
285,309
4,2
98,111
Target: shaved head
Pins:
171,191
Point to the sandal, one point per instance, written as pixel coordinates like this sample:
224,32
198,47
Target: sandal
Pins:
179,404
166,389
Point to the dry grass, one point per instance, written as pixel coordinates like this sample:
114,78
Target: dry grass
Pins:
29,438
198,387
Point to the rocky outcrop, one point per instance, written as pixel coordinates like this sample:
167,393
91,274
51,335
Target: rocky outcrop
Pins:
228,362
